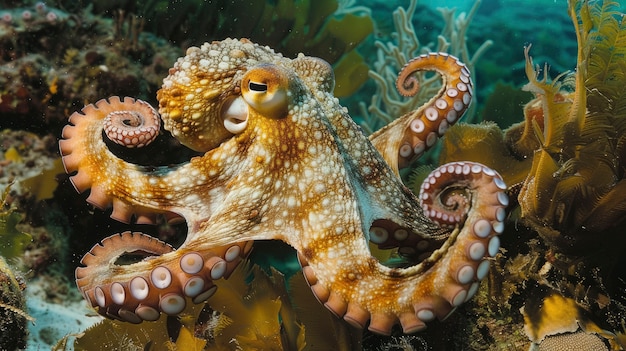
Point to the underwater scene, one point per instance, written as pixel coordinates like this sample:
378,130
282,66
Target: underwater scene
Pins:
313,175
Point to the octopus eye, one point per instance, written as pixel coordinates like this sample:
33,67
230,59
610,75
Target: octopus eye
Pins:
259,87
265,89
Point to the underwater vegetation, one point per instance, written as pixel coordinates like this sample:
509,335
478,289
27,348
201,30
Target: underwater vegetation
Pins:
289,26
320,28
565,162
252,310
574,135
12,240
13,319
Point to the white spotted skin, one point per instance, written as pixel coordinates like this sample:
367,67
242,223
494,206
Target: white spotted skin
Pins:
300,171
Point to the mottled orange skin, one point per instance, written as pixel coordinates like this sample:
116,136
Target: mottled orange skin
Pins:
282,160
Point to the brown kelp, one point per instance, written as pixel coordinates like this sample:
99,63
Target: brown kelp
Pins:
252,310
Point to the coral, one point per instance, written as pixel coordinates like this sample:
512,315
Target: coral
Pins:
48,66
548,313
554,322
571,341
13,319
386,103
47,247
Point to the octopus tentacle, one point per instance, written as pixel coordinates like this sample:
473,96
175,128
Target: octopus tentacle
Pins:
283,160
408,137
126,121
158,284
443,203
443,280
163,189
136,126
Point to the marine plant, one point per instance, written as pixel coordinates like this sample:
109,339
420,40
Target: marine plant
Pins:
566,165
574,132
252,310
13,317
12,240
319,28
576,184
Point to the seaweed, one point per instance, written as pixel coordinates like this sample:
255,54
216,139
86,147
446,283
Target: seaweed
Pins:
13,317
565,166
252,310
288,26
577,178
12,240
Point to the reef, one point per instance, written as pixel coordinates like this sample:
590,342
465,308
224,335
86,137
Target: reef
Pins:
52,61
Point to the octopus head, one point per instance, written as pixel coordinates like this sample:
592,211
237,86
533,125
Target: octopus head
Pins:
200,93
264,91
209,93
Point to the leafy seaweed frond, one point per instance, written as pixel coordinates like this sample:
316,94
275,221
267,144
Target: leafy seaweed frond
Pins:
12,240
605,57
608,38
555,107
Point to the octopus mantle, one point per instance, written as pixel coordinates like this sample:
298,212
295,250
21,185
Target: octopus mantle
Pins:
282,160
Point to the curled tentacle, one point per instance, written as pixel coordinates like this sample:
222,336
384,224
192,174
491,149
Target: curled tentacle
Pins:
136,125
446,276
83,151
408,137
141,291
132,191
406,84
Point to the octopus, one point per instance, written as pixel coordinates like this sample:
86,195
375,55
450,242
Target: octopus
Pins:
278,158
